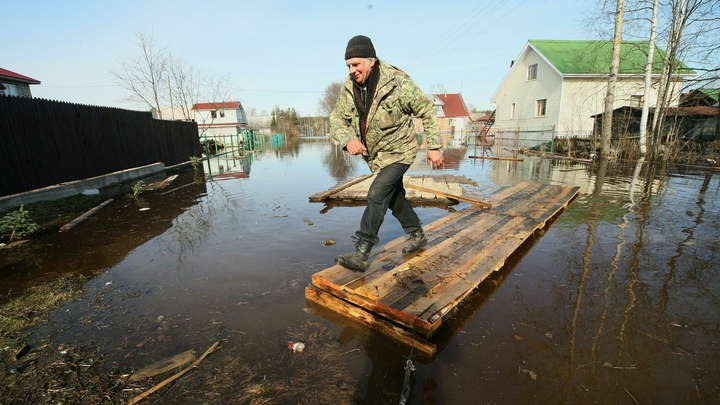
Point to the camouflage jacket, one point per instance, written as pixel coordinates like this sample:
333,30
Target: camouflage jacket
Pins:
390,136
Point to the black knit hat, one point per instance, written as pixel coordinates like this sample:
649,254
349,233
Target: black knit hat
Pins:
359,46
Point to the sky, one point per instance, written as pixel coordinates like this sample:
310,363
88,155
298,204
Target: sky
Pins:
278,53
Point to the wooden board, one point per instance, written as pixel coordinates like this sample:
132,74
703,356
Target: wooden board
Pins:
416,292
444,189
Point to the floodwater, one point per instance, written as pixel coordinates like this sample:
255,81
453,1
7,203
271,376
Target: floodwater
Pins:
615,303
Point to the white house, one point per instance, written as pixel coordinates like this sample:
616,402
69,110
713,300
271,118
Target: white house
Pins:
220,118
560,85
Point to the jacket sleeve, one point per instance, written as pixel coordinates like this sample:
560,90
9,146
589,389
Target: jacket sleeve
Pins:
341,118
421,107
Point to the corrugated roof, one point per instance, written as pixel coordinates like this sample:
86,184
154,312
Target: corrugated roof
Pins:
214,106
4,73
594,57
453,105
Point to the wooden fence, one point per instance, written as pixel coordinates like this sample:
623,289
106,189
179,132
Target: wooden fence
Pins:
43,142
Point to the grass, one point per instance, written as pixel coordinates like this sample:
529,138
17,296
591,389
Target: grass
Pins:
34,306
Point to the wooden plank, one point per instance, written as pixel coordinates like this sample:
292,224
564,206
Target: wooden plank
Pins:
488,251
318,197
368,319
510,196
338,275
84,216
447,195
450,272
437,254
433,307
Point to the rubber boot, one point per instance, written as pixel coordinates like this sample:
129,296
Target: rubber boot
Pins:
416,242
357,260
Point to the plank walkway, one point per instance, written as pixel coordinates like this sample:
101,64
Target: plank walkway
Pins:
409,296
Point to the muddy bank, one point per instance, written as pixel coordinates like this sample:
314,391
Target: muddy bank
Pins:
41,368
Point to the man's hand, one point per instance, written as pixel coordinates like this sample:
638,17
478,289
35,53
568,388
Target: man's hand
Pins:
435,159
355,147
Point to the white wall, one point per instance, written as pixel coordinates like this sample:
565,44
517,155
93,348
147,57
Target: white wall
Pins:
516,89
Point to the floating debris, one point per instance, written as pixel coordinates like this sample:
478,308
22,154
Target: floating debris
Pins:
296,347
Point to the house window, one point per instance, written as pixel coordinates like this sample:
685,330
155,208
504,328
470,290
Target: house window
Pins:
636,101
532,71
512,111
540,106
222,113
213,114
10,89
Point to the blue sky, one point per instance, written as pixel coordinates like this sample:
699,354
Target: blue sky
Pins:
279,53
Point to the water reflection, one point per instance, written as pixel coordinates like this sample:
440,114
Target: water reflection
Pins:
615,303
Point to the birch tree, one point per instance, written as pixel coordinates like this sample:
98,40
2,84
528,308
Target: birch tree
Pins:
679,13
185,85
612,80
648,79
144,76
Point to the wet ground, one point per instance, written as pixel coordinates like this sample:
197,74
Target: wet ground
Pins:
615,303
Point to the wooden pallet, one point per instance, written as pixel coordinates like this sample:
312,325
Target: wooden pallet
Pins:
409,296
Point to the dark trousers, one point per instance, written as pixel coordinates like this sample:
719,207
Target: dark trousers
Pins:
387,191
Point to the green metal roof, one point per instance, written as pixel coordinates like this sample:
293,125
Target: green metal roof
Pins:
712,93
594,57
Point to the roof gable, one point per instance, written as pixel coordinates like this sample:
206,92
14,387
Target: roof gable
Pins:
593,57
453,105
8,74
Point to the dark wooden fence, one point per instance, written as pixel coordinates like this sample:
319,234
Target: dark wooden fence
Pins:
43,142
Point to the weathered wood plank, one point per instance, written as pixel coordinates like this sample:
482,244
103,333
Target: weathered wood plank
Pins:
339,276
448,195
360,315
431,259
318,197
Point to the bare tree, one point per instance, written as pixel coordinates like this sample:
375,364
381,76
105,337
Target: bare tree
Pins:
670,67
612,80
648,79
185,85
329,98
144,75
438,89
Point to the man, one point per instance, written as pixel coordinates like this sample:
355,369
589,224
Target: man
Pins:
374,117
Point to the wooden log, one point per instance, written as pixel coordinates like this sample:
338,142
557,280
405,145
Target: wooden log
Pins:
161,184
174,377
364,317
495,158
163,366
177,188
84,216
